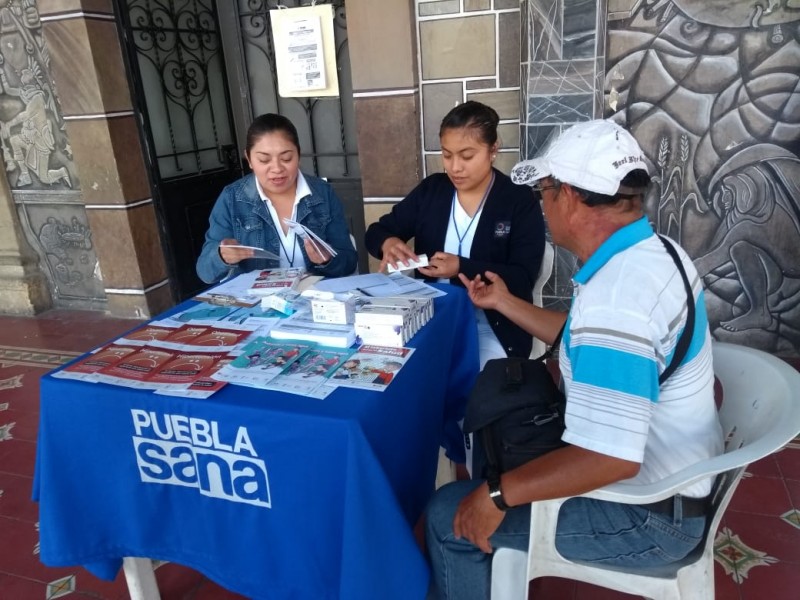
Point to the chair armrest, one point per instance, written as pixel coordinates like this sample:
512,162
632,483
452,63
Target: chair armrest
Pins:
630,493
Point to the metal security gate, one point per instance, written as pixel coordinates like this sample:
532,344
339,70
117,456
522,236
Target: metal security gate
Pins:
174,54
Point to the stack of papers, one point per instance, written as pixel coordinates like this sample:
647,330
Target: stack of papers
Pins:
304,233
275,280
301,326
379,285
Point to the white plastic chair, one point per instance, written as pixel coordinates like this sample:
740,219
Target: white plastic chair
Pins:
545,271
760,413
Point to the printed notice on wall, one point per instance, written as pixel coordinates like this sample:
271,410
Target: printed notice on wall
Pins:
306,62
305,51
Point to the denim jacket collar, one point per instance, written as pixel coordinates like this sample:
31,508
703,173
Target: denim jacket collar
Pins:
248,194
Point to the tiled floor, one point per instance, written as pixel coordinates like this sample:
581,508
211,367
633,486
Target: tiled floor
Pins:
758,546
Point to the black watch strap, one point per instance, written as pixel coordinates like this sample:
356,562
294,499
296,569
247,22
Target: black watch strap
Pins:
496,494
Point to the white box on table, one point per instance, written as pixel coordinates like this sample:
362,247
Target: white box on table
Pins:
381,334
333,310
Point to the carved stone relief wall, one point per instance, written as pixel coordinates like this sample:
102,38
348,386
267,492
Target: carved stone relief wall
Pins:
711,90
38,159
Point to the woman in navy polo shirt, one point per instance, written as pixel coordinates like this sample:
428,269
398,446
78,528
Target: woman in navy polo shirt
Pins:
470,219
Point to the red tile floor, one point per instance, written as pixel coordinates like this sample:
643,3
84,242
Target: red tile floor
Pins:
758,545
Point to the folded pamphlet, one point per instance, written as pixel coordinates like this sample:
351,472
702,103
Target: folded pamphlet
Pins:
371,367
257,252
305,233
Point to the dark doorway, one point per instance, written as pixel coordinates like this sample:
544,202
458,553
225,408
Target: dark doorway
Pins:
175,56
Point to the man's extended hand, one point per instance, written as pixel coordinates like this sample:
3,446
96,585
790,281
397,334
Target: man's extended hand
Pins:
485,294
477,518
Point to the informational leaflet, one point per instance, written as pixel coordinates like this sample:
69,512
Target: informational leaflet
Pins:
371,367
305,50
84,369
257,252
185,368
232,292
409,286
306,63
146,335
301,326
379,285
210,314
209,338
261,361
134,369
180,338
305,233
313,369
274,280
202,387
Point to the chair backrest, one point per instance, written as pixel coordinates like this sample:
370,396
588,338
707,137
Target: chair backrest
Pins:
545,271
759,414
760,409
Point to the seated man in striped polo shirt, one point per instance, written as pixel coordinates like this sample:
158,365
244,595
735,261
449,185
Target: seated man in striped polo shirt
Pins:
629,308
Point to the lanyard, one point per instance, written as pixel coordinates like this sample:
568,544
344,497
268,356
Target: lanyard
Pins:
285,253
472,220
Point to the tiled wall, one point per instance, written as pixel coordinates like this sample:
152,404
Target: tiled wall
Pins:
469,50
562,72
412,61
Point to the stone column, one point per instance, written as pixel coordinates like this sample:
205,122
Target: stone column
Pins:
90,75
23,287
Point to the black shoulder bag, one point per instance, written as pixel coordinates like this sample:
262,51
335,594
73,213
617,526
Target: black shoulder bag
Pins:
517,410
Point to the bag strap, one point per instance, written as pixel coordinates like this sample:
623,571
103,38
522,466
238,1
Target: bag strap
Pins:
682,347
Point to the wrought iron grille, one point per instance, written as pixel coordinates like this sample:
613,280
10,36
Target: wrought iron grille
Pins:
182,70
326,125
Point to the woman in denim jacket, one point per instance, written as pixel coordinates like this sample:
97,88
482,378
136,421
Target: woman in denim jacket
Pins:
250,212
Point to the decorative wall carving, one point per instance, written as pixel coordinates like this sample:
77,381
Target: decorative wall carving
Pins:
38,161
62,237
711,89
35,149
712,93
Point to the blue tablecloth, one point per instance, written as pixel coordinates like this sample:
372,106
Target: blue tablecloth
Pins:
272,495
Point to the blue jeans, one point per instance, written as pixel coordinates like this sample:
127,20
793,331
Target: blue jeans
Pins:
606,533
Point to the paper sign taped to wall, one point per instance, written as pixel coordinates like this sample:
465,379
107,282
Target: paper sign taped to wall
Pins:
305,51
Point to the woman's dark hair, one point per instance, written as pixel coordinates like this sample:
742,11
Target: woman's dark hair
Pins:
636,179
270,123
473,115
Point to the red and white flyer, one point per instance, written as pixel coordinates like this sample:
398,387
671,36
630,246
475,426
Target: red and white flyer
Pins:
84,369
134,369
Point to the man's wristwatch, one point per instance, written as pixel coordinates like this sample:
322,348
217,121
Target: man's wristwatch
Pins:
496,494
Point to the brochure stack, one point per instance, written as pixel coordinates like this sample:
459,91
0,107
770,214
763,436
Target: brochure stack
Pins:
275,280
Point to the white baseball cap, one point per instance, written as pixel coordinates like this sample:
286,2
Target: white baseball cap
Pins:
594,156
